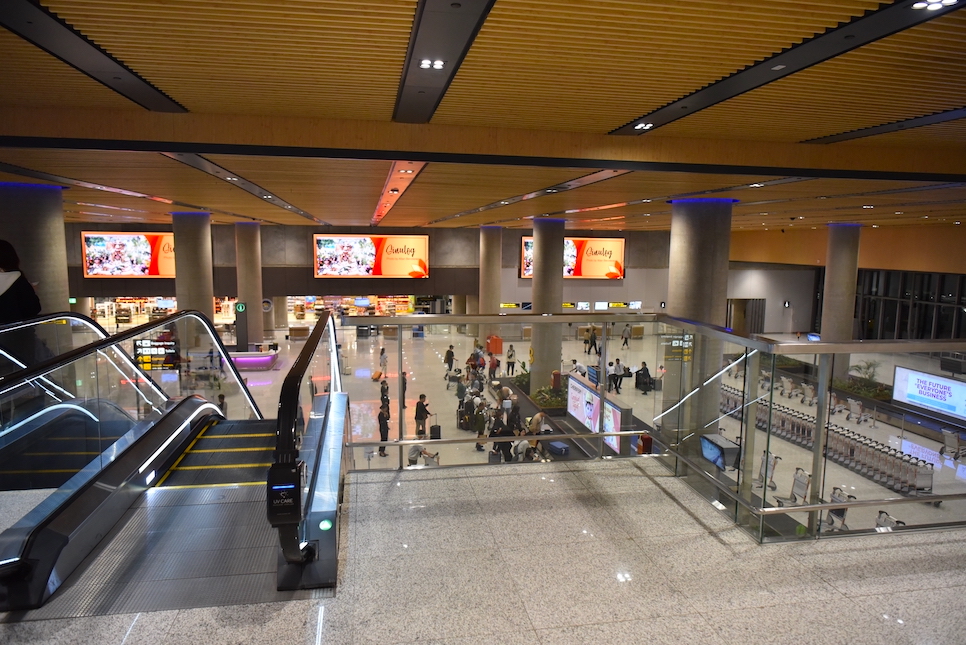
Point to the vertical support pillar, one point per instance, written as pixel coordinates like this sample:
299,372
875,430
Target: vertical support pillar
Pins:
819,437
194,283
248,265
491,265
280,311
548,244
83,306
698,290
472,309
32,220
838,294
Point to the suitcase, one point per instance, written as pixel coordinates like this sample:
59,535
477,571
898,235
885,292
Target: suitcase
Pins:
377,376
496,457
558,448
434,432
657,385
644,444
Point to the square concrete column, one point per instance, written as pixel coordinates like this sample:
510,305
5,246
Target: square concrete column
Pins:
194,282
491,264
548,244
248,267
32,220
838,294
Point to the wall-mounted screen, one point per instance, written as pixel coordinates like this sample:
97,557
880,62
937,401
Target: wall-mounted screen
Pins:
596,258
371,256
583,404
712,452
600,305
636,304
583,305
935,393
127,255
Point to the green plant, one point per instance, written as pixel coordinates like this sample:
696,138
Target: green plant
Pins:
522,381
863,387
867,370
548,397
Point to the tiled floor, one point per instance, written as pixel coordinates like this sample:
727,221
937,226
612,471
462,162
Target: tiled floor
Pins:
576,552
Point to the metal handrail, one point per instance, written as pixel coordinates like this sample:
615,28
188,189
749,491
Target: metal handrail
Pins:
286,444
90,322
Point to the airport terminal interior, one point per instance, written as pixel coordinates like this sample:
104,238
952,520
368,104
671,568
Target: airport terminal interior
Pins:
256,229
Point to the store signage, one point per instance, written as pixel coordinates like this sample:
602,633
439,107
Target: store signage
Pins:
677,347
371,256
596,258
584,405
127,255
568,305
509,305
617,305
935,393
240,307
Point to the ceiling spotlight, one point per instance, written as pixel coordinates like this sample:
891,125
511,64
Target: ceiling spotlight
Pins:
899,213
504,203
646,201
393,191
957,223
920,5
875,226
868,206
949,3
437,64
756,185
778,68
801,217
231,178
267,196
408,172
934,6
425,63
643,126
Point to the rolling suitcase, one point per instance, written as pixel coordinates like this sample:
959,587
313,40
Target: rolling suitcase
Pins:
495,457
434,430
558,448
377,376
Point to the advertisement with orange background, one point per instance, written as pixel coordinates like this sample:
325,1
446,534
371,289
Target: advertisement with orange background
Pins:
371,256
128,255
595,258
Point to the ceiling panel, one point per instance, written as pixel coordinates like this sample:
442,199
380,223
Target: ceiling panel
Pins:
951,133
152,174
913,73
324,58
443,189
30,76
339,191
595,66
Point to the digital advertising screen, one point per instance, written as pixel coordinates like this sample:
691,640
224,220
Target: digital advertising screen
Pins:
712,452
584,405
595,258
935,393
371,256
127,255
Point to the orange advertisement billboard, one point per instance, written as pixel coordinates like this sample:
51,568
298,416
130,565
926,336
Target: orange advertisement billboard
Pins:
371,256
595,258
127,255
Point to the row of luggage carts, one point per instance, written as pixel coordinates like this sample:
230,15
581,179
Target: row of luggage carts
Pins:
882,464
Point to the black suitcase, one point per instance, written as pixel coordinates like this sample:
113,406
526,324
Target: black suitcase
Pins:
495,457
434,432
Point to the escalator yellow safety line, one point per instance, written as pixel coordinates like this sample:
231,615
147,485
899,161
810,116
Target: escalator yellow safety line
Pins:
183,454
211,467
242,436
232,449
187,486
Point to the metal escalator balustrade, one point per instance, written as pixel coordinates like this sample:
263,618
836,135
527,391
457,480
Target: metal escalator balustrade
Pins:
29,342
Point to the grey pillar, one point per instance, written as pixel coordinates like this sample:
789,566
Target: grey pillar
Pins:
193,284
248,265
698,290
548,243
838,295
32,220
491,263
280,311
459,304
472,309
83,306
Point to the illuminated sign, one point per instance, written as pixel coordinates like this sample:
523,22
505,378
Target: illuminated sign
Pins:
568,305
127,255
597,258
930,392
583,306
371,256
583,403
617,305
509,305
635,304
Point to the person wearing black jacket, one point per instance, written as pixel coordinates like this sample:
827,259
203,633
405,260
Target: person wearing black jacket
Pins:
642,380
18,300
500,429
383,428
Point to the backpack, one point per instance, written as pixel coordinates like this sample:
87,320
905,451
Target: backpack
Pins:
498,363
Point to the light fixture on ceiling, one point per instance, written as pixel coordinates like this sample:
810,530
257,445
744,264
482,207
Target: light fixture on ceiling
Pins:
756,185
267,196
868,206
899,212
426,64
801,217
875,226
643,126
394,191
504,203
407,172
957,223
778,68
231,178
934,5
787,304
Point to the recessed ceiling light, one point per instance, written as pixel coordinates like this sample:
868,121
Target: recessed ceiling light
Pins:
393,191
934,6
949,3
801,217
504,203
231,178
920,5
643,126
756,185
408,172
425,63
898,212
437,64
777,68
267,196
868,206
925,217
957,223
646,201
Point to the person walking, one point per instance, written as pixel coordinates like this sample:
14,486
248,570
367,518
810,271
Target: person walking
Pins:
586,337
626,337
448,359
383,360
422,413
511,361
593,341
618,375
383,418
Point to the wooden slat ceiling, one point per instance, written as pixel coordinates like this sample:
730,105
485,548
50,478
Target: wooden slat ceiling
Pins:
913,73
151,174
951,133
325,58
595,66
447,189
339,191
31,76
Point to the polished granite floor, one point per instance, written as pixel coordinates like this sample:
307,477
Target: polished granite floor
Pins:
575,552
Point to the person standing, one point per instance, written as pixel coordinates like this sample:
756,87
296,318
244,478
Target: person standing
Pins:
626,336
383,418
611,382
18,300
223,405
511,361
383,360
593,341
618,375
422,413
479,421
643,379
492,367
384,392
500,429
448,359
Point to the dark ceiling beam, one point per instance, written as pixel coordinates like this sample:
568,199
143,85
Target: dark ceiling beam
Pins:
895,126
443,32
874,25
40,27
198,162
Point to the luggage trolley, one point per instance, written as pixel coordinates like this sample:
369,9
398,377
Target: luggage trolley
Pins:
836,516
952,445
800,484
886,522
788,388
808,394
856,411
767,471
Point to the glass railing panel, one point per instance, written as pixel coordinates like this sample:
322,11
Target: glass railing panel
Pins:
32,341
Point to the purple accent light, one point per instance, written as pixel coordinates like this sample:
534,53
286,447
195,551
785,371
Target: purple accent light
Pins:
15,184
259,362
190,213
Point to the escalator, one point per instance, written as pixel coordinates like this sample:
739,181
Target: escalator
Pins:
153,501
27,343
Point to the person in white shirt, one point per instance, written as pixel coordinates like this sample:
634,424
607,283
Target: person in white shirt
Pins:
579,368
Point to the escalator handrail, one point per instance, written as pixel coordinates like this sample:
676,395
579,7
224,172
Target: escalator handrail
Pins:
42,368
60,315
286,445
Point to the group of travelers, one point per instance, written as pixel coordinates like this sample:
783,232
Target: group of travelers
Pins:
616,372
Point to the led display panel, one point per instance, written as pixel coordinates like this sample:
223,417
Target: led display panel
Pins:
583,404
930,392
371,256
127,255
595,258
